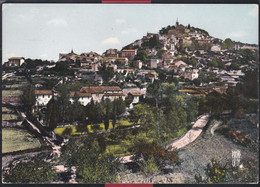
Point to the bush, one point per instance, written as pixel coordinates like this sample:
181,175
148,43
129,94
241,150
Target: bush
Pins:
29,172
149,167
67,131
147,151
96,127
215,172
235,136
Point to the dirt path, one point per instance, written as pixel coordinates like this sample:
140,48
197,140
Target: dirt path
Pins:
192,134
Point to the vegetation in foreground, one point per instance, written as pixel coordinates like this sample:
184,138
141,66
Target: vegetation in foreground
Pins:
14,139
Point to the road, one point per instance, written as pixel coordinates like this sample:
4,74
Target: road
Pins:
189,137
192,134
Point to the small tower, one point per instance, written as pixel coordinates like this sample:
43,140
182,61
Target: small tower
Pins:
72,51
177,23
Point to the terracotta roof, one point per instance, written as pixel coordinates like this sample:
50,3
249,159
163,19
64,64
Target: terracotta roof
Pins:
72,94
135,93
114,94
129,69
14,58
43,92
99,89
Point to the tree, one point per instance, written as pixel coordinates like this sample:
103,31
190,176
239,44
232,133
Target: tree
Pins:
52,114
96,169
106,121
197,81
153,90
215,103
92,165
102,143
63,101
141,55
75,111
234,66
28,98
250,84
67,131
114,114
109,72
82,128
144,114
227,44
35,171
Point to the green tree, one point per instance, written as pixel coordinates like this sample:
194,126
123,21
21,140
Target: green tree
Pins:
28,98
250,84
227,44
141,55
102,143
234,66
67,131
114,114
197,81
93,167
106,120
143,114
82,128
63,101
52,114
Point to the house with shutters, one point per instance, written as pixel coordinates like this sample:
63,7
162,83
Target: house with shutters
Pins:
14,62
42,97
97,93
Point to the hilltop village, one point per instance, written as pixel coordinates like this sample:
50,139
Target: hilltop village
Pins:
135,104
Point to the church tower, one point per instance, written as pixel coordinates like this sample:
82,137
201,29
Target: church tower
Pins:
177,23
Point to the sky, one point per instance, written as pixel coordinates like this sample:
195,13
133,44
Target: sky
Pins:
45,30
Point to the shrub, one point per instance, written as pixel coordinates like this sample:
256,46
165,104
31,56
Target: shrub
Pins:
67,131
96,127
149,167
36,171
215,172
147,151
235,136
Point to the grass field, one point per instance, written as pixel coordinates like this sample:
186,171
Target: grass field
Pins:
6,110
59,130
17,140
7,117
11,93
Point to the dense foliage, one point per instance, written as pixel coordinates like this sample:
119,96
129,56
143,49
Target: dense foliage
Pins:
28,98
93,165
35,171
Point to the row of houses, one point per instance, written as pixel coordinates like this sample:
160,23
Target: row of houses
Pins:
87,94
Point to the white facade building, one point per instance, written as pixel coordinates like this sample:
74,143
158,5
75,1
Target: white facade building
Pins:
42,97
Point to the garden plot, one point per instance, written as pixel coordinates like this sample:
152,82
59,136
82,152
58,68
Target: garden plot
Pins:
17,140
11,93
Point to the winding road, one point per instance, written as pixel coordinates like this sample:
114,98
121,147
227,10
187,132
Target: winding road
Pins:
189,137
192,134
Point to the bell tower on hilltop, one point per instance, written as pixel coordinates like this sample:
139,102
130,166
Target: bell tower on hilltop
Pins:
177,23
